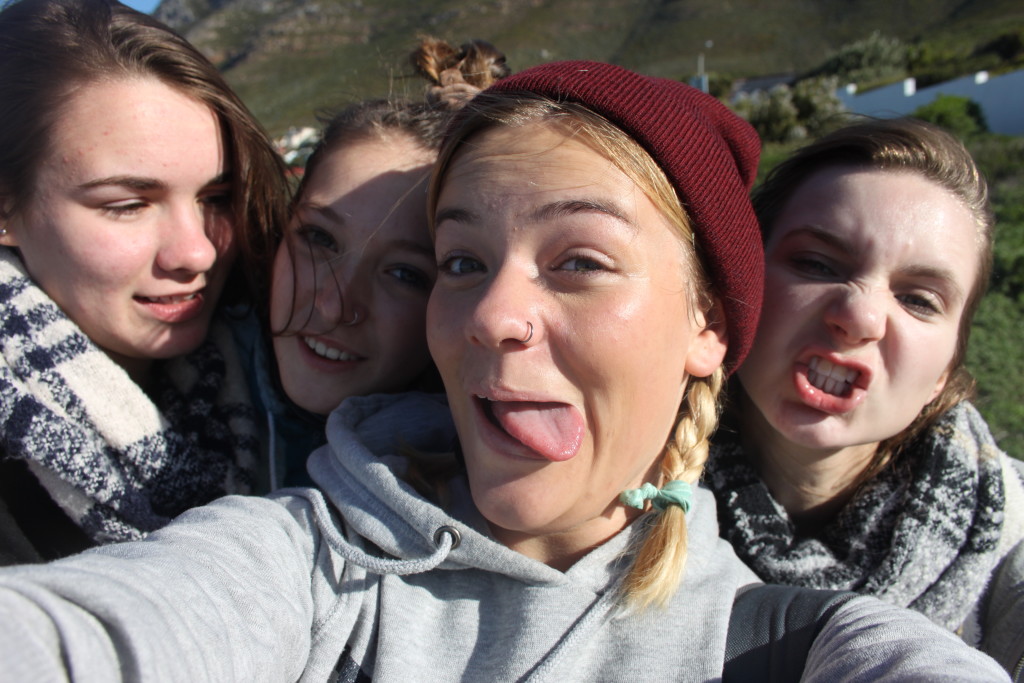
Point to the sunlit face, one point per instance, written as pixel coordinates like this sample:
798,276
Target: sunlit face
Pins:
351,278
129,228
533,226
868,273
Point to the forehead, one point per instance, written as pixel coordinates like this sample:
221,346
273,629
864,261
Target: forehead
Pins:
508,164
135,122
352,164
890,214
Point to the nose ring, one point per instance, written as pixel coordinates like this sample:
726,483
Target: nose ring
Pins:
353,321
529,333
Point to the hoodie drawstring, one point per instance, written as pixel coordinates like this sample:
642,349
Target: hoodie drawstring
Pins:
446,538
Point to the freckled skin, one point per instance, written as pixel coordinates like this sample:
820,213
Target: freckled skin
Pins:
131,204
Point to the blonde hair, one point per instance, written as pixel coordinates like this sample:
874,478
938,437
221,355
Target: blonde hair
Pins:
661,558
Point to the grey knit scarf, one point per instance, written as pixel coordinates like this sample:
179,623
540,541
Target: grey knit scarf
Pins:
118,463
922,534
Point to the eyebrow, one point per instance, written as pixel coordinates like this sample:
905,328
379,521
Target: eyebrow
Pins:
822,235
325,211
930,272
145,184
570,207
412,245
556,209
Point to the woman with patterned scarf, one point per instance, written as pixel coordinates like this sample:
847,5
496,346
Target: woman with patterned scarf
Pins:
852,459
130,178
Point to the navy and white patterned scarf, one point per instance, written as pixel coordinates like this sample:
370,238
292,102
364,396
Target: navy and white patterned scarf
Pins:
922,534
117,462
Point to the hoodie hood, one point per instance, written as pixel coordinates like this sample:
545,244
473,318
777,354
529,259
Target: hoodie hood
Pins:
362,467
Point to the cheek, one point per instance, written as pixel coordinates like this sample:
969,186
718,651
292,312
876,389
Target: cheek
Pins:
282,289
404,322
442,327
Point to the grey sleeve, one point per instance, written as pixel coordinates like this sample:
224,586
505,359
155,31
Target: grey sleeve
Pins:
1004,614
222,594
868,640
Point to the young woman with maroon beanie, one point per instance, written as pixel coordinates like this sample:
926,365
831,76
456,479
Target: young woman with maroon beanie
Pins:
599,273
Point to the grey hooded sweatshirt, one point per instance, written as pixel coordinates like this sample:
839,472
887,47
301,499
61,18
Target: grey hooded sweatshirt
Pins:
363,582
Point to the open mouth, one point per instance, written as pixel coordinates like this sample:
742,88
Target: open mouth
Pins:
833,379
168,299
328,352
551,429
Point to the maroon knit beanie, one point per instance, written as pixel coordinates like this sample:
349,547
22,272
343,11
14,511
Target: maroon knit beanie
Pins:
708,153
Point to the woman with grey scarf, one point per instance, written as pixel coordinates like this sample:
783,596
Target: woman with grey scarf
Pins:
852,459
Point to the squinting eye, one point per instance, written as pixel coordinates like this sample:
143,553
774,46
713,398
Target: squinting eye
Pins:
581,265
812,266
919,304
125,209
461,265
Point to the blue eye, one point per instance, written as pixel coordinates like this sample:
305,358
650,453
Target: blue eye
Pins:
461,265
412,277
317,237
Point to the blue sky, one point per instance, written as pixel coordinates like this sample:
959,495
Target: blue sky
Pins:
142,5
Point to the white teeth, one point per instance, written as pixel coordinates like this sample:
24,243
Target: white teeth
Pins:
170,299
829,377
321,349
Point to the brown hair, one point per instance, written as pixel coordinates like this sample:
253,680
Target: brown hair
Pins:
903,145
475,62
51,48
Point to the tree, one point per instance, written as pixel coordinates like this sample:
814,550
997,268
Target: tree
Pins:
959,115
791,114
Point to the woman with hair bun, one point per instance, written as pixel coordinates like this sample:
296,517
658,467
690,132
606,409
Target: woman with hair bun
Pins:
599,273
355,266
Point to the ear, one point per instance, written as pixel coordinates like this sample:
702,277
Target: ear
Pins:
939,386
6,222
708,348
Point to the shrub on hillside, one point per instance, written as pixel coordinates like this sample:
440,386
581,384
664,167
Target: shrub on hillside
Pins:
791,114
959,115
874,59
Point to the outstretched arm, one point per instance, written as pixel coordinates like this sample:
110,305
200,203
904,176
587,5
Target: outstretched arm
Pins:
222,594
868,640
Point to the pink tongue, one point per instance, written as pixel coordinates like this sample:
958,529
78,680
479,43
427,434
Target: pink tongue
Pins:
555,430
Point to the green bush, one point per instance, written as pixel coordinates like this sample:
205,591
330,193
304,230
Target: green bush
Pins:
876,58
959,115
791,114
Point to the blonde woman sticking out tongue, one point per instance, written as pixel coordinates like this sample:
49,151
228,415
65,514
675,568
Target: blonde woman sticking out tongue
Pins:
582,336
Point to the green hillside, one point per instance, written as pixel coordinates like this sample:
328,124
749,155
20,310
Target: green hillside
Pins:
291,58
288,58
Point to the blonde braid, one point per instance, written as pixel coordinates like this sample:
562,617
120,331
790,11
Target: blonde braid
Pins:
658,568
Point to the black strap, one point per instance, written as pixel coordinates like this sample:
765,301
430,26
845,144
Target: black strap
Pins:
771,630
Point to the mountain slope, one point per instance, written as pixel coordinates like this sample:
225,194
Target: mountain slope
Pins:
289,58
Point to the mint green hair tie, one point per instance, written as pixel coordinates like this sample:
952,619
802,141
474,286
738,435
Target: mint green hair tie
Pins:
675,492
